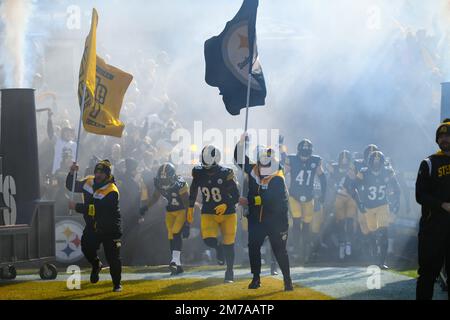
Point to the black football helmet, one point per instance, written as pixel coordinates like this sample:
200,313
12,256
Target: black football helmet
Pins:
305,148
368,150
210,157
376,161
166,176
345,159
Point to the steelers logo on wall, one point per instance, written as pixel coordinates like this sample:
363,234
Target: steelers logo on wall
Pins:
68,241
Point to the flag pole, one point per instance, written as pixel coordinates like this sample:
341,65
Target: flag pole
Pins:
83,99
244,151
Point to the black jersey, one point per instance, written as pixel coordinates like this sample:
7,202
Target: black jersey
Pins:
303,175
339,178
433,184
173,194
374,187
217,185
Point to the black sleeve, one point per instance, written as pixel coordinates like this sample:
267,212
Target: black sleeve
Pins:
78,183
423,188
351,185
193,190
323,185
232,190
81,208
237,158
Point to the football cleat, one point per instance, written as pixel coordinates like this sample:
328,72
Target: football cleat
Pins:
255,284
229,276
273,269
95,272
117,288
288,286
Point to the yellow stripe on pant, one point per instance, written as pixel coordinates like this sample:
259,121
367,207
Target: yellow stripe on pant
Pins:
174,222
210,224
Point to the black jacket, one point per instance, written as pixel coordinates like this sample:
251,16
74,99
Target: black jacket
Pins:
273,209
106,218
433,184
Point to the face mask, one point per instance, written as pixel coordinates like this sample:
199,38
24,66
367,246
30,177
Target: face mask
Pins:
266,171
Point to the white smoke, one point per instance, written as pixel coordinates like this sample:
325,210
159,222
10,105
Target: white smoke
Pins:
14,15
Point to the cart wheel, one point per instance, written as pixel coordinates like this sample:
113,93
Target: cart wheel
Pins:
9,273
48,272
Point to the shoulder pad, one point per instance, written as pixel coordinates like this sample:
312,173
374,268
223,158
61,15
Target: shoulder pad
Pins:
316,158
290,158
196,170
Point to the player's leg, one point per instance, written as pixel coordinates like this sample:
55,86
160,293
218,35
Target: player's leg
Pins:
340,224
228,228
179,218
316,227
89,246
210,231
351,211
256,235
111,247
383,220
296,213
307,209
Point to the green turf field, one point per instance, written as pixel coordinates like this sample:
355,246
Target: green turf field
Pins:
172,289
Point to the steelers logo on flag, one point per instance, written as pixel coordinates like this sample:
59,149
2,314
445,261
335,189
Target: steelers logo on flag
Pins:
68,241
235,52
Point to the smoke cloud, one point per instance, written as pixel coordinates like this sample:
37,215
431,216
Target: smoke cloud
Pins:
15,15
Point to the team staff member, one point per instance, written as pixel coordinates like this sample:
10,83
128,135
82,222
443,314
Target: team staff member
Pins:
267,201
103,221
433,193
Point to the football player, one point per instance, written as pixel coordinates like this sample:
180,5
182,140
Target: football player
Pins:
345,207
303,169
220,195
370,192
176,191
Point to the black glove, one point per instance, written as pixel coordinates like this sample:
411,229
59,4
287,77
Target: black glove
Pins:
186,230
143,210
361,207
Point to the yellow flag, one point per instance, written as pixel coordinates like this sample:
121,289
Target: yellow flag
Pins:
102,116
88,64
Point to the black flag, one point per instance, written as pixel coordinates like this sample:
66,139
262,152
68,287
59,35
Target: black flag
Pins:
231,56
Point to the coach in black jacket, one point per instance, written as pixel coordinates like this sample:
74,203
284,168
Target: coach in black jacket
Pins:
433,193
267,201
101,213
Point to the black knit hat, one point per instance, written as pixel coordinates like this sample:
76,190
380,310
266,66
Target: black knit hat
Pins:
104,166
444,128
